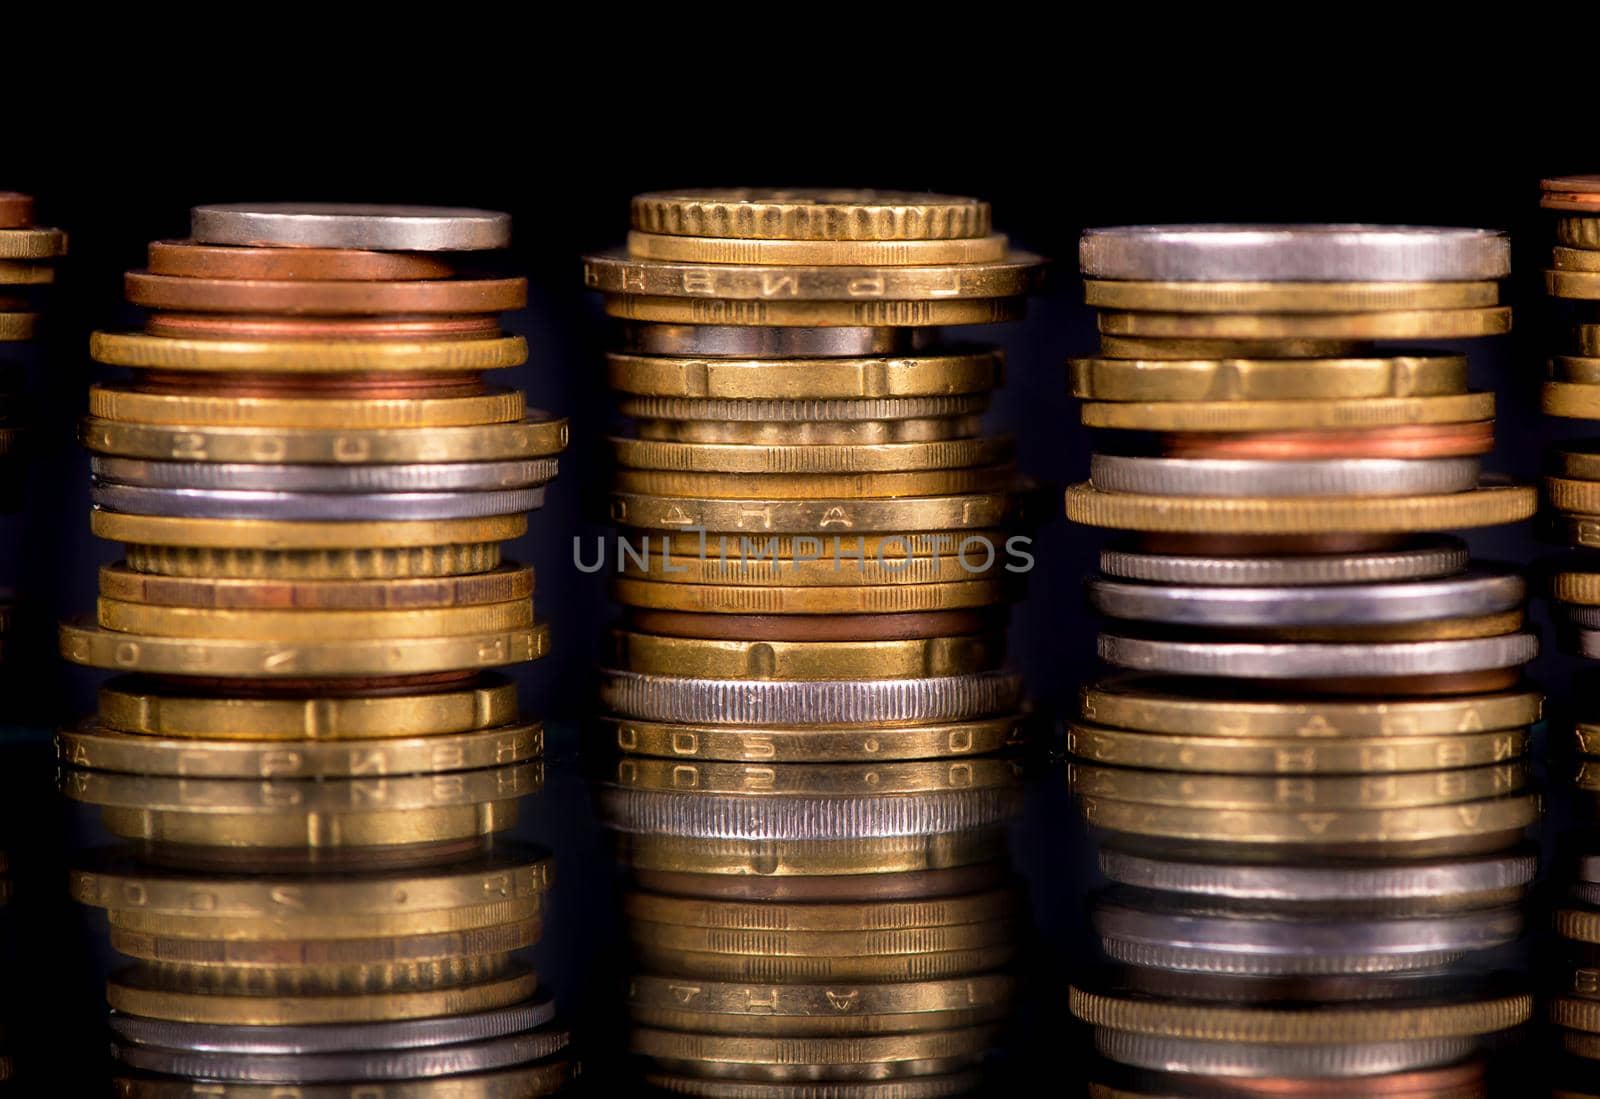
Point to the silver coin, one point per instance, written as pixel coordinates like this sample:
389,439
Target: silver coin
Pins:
1232,477
1252,1060
1320,661
1222,963
190,503
944,1085
355,1065
783,817
409,477
1588,642
858,702
1396,881
350,225
1586,891
723,341
803,411
333,1037
1435,558
1584,617
1481,592
1294,253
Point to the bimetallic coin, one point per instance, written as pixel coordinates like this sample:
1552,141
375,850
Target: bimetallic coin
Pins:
349,225
1247,477
411,478
1319,661
1429,559
1294,253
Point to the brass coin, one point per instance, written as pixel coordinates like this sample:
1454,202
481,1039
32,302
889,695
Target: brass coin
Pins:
658,655
269,534
776,968
240,563
811,433
507,583
821,379
312,625
1139,347
858,917
825,947
324,297
748,599
819,779
1298,756
324,953
964,558
814,627
868,459
815,314
907,885
801,1000
1266,379
811,214
617,272
129,404
1388,791
303,831
760,548
809,486
814,1026
1280,297
801,745
32,243
292,927
147,352
14,273
882,1050
1416,324
807,858
670,248
1297,415
817,517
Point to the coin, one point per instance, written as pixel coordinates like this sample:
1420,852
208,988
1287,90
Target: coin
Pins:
819,433
794,411
310,507
329,356
191,259
1279,415
1287,297
616,272
672,1046
880,886
16,210
669,248
1425,560
731,341
1107,379
286,327
441,949
21,273
656,655
909,1087
1318,661
812,627
1416,324
285,925
1407,441
419,477
747,599
206,563
325,297
857,917
132,405
825,379
824,314
1223,477
265,534
248,659
828,818
1305,755
1294,253
784,745
1388,791
965,559
1377,1060
817,516
507,583
350,225
304,832
1488,505
811,214
826,460
805,486
820,779
518,1083
791,859
32,244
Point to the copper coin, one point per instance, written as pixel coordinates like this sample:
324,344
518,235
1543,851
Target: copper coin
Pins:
329,298
505,583
844,887
810,627
223,326
1456,683
16,210
346,386
193,260
1407,441
347,685
1249,545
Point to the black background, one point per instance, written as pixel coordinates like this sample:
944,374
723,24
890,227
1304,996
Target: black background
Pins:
1053,154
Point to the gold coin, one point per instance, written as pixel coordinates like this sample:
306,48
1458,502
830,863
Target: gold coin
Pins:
808,486
793,460
678,563
333,979
1287,297
1576,587
140,992
934,965
1588,340
1581,285
1154,706
654,654
1417,324
32,243
826,946
132,405
1288,415
803,1000
789,253
104,749
810,858
14,273
880,1050
860,917
753,550
816,314
1579,924
205,563
225,796
1386,791
1015,274
312,625
1266,379
326,954
135,707
764,518
817,779
801,745
267,659
1576,370
1570,494
1130,347
1377,756
1489,505
812,433
537,436
1578,232
1575,259
506,874
1489,817
814,1026
386,828
1580,530
811,214
145,352
820,379
748,599
1318,1024
509,582
1575,401
18,326
286,925
273,534
539,1079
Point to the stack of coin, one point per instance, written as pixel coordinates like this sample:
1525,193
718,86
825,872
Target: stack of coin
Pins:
1313,791
312,479
807,691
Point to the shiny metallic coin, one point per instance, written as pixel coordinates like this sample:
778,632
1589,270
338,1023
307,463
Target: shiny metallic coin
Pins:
1229,477
1322,661
351,225
1478,593
773,817
1251,1060
188,503
801,410
332,1037
1294,253
754,342
1434,558
418,477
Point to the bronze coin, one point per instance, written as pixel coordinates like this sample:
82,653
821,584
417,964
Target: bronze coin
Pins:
810,627
16,210
223,326
329,298
422,384
844,887
1408,441
505,583
192,260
